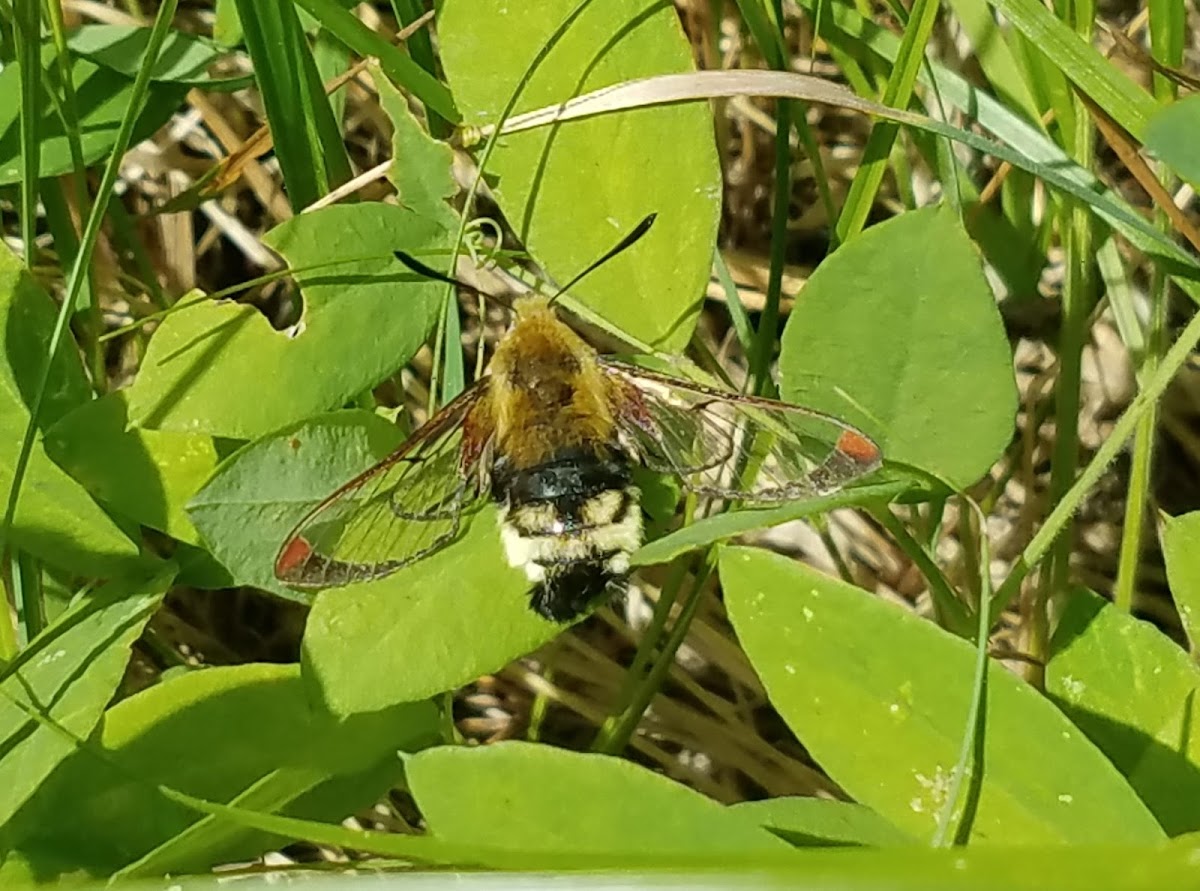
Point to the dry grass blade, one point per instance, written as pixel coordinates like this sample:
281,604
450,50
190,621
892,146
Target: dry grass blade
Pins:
1126,148
690,87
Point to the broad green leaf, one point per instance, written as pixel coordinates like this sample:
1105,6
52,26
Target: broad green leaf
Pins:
55,519
212,733
266,487
520,795
1181,550
184,58
880,697
816,822
219,367
26,322
421,166
573,190
1080,868
898,332
1171,134
68,674
727,525
1133,692
147,475
104,100
432,626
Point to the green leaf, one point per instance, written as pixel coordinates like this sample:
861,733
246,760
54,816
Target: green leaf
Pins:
1181,550
219,367
1113,867
572,191
1133,692
212,733
68,674
879,697
55,519
104,95
1171,134
727,525
898,332
184,58
816,822
147,475
421,166
227,27
270,484
518,795
26,322
1144,867
432,626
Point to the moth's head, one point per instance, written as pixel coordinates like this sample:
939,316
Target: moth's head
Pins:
531,306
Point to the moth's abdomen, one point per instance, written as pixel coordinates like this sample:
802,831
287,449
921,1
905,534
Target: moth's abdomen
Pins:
570,524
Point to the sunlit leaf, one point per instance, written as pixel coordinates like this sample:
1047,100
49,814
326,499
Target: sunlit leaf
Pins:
898,332
1133,691
513,794
68,674
220,368
55,519
212,733
880,698
572,191
147,475
269,485
1181,550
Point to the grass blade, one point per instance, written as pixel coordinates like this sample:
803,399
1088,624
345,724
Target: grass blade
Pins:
1046,162
308,141
91,232
879,145
1127,103
396,64
27,27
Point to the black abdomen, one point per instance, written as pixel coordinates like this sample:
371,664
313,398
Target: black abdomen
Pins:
571,524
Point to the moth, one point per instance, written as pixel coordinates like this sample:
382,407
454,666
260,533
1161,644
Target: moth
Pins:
551,433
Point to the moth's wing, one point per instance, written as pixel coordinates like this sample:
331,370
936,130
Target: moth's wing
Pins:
404,508
728,446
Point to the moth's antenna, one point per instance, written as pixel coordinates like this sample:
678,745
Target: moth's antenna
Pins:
628,241
428,272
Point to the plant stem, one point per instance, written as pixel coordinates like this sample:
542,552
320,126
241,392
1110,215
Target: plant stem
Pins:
1166,39
949,610
615,735
651,638
971,752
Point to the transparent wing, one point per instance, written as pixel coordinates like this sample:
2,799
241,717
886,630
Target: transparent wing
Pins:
402,509
735,447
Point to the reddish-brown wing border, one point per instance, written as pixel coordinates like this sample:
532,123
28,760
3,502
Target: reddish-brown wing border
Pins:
299,565
853,454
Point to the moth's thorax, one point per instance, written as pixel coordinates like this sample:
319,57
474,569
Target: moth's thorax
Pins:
547,392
